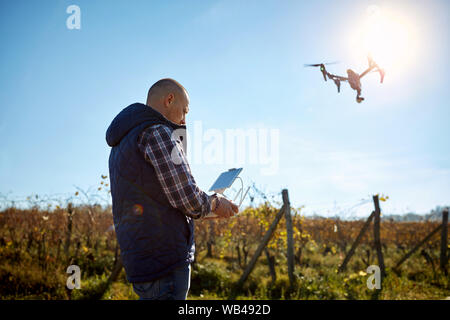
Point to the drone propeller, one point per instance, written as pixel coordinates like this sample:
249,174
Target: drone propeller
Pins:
320,64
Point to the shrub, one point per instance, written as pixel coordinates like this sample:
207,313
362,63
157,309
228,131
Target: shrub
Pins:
31,282
210,276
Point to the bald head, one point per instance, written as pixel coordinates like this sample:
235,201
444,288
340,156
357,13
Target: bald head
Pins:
170,98
163,87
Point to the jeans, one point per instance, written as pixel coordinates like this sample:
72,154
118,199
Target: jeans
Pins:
174,286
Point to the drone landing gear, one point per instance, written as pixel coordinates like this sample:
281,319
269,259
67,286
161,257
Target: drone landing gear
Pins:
359,99
338,84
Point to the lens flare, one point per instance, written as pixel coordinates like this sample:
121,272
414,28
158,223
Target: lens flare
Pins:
389,37
138,209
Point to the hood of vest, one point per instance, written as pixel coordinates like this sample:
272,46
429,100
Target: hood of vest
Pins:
131,117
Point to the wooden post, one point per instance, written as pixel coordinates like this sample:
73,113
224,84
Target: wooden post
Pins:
444,234
428,237
116,270
356,243
290,236
211,239
69,229
342,243
376,234
271,264
261,247
103,287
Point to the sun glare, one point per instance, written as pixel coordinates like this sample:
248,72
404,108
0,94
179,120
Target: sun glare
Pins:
388,37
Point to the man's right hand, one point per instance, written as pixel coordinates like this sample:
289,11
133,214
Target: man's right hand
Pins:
225,208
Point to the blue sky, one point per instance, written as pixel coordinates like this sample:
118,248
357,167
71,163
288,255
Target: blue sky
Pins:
242,63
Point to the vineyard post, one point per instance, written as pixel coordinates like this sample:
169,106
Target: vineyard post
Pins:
444,234
342,242
118,264
376,234
356,243
259,250
211,239
271,263
69,229
289,234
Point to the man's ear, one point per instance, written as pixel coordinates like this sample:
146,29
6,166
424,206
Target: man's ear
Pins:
169,99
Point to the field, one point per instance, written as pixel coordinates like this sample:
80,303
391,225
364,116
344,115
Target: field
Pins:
37,246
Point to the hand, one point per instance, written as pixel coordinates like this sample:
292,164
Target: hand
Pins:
225,208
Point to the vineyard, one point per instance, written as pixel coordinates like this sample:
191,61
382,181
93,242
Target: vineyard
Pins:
38,244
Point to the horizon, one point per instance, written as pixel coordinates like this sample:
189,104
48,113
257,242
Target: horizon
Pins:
242,64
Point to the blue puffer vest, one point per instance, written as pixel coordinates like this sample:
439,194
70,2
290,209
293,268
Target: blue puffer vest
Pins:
154,237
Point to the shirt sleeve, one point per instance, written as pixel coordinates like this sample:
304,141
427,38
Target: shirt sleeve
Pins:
166,154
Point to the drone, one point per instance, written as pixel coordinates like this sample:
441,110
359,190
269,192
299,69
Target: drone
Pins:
353,78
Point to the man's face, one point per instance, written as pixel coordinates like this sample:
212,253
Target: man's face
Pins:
178,108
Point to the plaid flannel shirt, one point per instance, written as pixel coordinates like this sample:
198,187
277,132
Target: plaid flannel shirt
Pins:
177,182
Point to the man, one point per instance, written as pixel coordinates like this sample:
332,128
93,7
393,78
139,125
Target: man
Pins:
154,195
